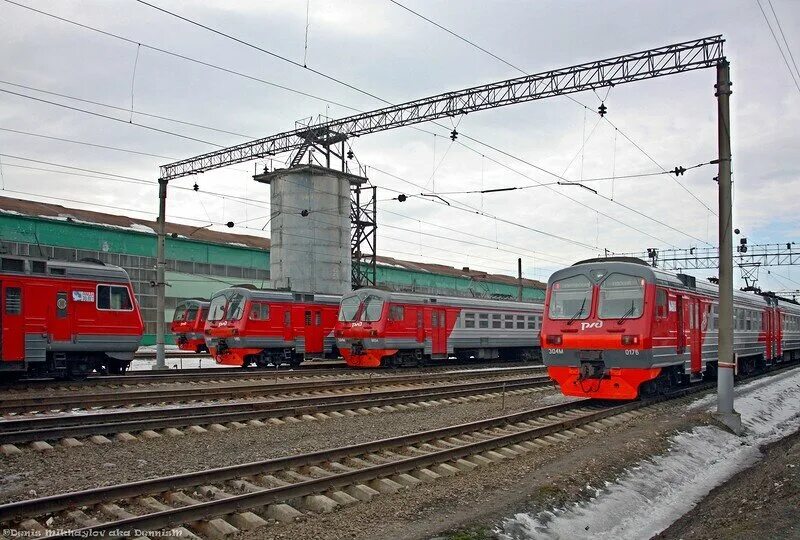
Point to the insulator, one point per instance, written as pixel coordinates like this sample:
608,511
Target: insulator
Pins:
602,109
229,224
196,187
304,213
402,198
350,154
453,135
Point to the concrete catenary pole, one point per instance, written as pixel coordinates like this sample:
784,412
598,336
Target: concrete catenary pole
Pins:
725,411
519,279
160,278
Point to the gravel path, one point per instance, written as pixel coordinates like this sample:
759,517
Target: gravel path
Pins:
34,475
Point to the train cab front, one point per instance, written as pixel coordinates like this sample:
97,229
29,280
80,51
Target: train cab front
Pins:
360,327
187,325
224,327
595,334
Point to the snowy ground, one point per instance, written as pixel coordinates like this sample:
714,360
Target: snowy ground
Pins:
648,497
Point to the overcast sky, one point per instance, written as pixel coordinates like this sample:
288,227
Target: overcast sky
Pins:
377,46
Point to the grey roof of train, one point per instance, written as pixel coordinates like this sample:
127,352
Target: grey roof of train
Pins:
663,277
446,300
76,270
281,296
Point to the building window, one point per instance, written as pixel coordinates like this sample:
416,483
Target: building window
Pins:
496,321
531,322
509,321
521,322
113,298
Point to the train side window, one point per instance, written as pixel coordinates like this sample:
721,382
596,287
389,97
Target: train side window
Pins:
521,321
397,313
509,321
749,321
38,267
113,298
531,322
13,301
661,304
469,320
308,318
419,317
539,321
483,320
317,319
287,318
12,265
496,321
259,312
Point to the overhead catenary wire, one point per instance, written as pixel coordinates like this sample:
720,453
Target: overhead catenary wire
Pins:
524,72
282,58
780,48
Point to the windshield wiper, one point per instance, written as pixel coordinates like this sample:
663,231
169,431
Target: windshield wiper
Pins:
629,312
572,320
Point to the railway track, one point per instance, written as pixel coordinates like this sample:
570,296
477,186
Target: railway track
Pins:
317,481
219,502
200,375
216,416
49,402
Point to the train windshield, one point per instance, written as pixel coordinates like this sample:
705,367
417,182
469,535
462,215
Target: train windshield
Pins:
180,314
216,311
373,306
348,310
191,314
621,297
236,307
571,298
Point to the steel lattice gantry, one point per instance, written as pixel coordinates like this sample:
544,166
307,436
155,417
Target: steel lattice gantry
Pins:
783,254
687,56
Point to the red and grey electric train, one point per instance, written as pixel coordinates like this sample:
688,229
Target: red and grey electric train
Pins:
66,319
188,325
379,328
252,326
615,328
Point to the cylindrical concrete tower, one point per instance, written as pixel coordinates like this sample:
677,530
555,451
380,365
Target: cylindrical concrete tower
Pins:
310,228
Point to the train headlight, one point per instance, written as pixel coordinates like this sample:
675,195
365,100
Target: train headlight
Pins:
630,340
554,339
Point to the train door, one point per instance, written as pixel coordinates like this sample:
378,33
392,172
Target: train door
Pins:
313,331
769,338
680,344
438,332
60,326
778,334
695,335
12,322
420,324
288,334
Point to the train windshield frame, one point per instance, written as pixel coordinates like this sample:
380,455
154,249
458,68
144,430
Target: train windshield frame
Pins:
621,297
571,298
349,308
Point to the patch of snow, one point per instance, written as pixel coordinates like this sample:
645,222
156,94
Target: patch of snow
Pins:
238,244
173,362
142,228
648,497
11,212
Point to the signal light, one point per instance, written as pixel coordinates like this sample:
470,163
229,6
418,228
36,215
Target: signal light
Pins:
630,340
554,339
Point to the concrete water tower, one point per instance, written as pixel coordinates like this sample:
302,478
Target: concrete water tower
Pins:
310,223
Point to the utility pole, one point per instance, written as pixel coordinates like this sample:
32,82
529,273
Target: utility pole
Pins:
160,277
519,279
726,362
